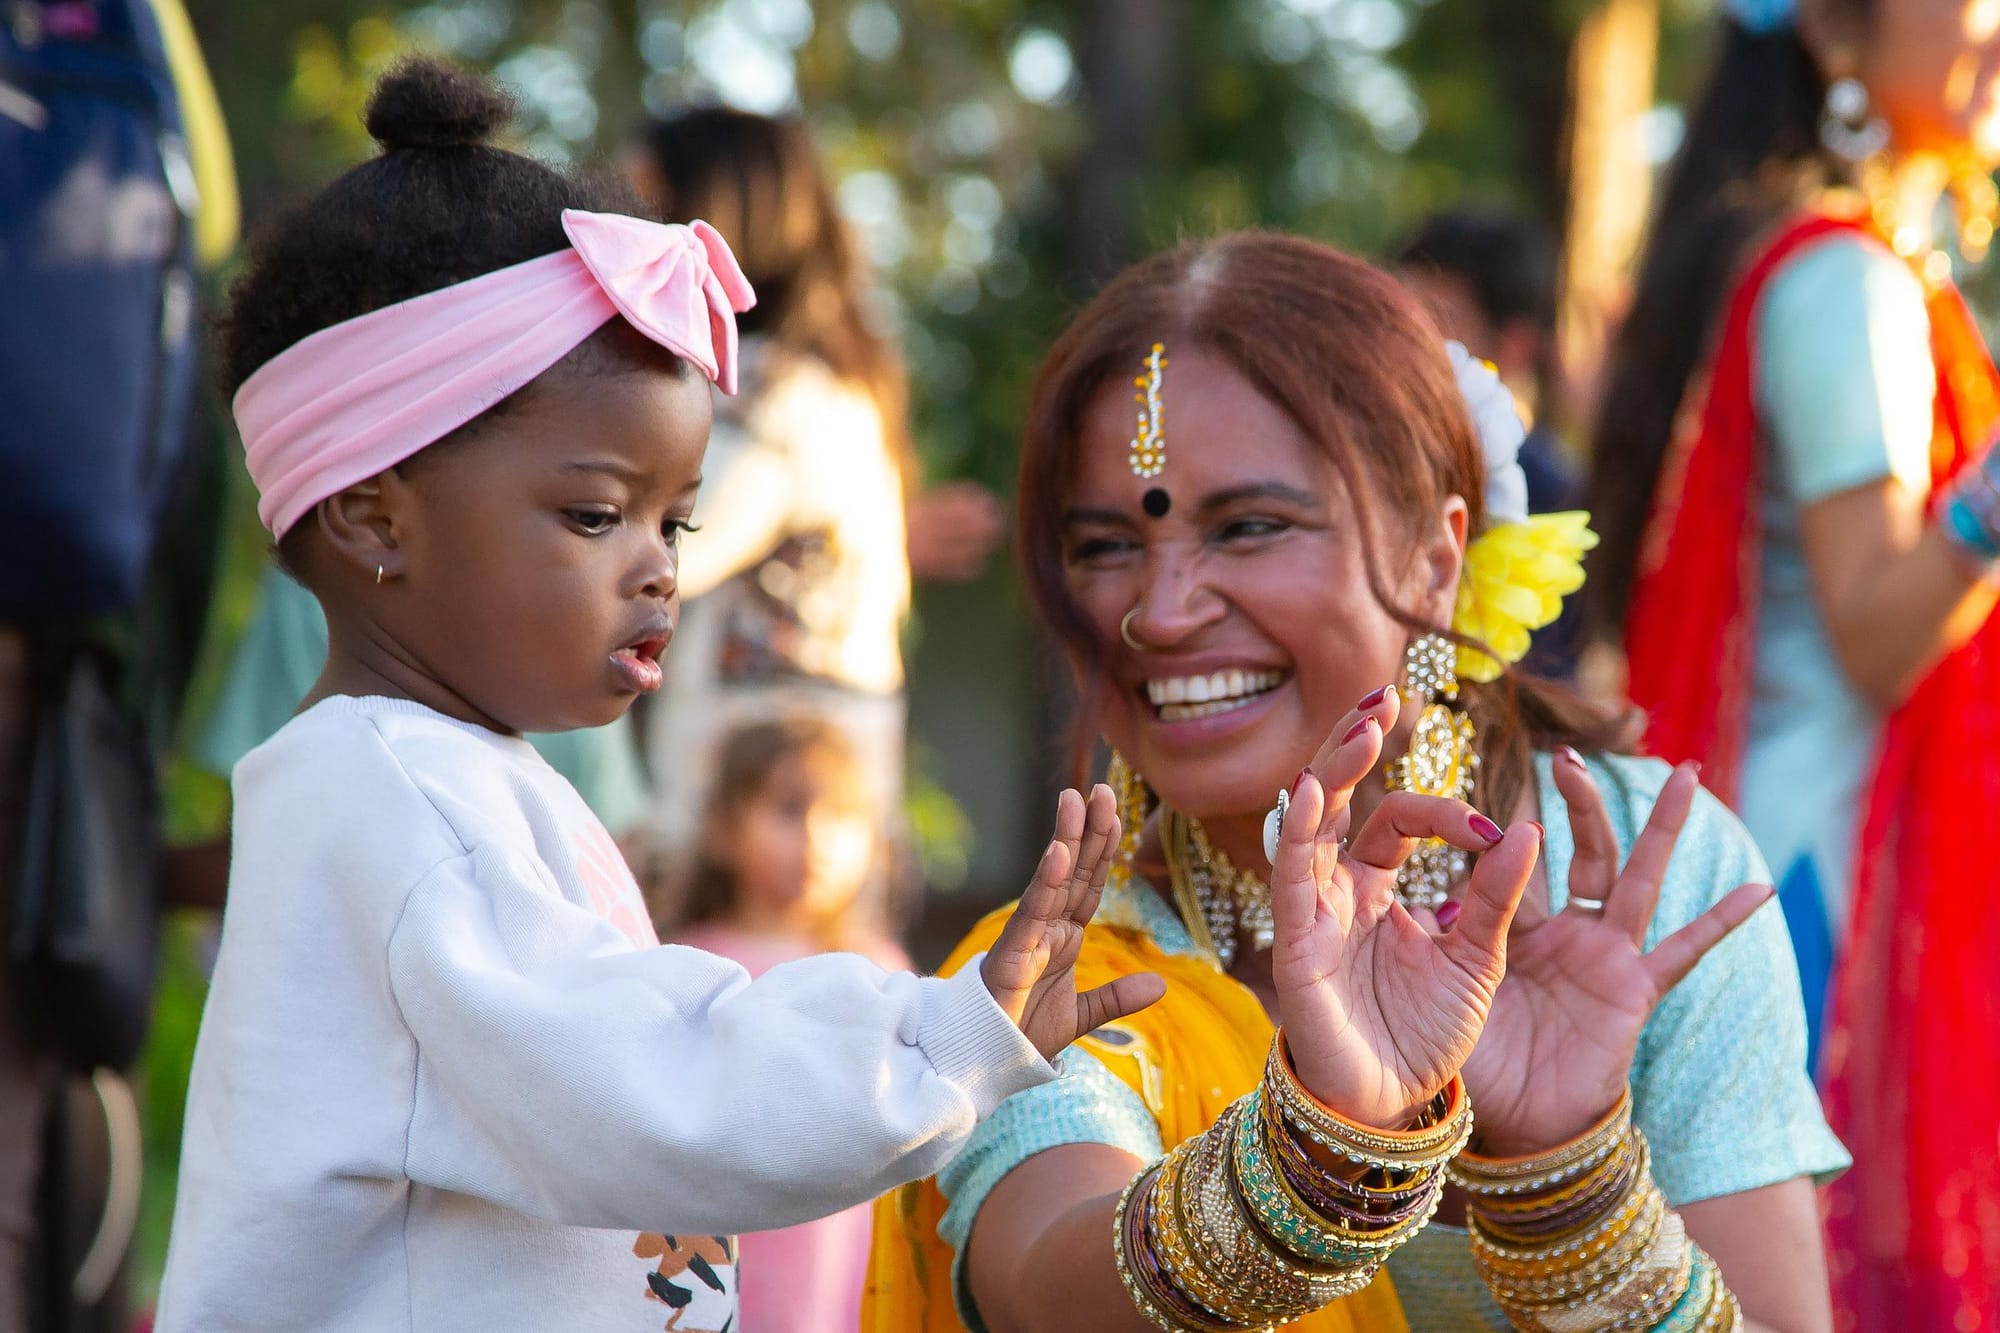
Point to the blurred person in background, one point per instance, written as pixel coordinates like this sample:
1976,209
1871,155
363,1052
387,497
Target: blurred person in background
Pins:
1488,278
1801,513
116,188
786,849
796,580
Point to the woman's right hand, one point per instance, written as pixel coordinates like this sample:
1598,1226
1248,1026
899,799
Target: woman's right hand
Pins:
1379,1015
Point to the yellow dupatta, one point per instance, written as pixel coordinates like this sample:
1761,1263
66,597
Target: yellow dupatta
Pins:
1188,1057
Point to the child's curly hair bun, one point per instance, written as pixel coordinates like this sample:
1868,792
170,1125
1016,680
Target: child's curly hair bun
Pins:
425,102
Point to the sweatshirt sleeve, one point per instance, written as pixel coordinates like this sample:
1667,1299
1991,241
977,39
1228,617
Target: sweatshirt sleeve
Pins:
564,1074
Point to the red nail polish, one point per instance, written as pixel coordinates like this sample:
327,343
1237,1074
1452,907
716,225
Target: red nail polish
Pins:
1483,827
1299,781
1447,912
1541,834
1372,700
1357,729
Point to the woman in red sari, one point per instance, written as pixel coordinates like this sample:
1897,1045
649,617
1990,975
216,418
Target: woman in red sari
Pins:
1802,521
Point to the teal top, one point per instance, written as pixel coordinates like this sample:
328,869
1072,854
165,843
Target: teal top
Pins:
283,652
1843,384
1718,1085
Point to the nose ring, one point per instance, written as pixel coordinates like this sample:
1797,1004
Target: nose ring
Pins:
1125,630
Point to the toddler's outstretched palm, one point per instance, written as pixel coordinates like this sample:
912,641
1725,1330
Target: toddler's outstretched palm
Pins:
1031,968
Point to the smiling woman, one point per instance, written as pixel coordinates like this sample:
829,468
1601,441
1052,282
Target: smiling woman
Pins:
1325,480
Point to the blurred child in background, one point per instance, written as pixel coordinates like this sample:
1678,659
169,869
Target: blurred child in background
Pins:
813,519
786,849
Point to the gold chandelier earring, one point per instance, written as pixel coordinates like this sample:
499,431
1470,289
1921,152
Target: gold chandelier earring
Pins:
1130,790
1441,761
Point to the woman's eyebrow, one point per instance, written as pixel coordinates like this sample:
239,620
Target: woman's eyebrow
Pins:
1262,490
1088,515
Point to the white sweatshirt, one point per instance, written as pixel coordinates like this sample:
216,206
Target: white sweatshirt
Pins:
446,1076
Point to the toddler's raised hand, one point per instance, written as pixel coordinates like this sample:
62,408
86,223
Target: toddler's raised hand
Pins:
1031,968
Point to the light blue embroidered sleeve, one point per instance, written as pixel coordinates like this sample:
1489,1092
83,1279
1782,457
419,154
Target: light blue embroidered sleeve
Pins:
1087,1104
1719,1083
1844,379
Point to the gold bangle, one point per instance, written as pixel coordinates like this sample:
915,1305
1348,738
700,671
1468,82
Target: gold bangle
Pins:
1638,1194
1449,1121
1510,1209
1500,1176
1617,1261
1636,1298
1175,1243
1244,1276
1148,1304
1142,1299
1293,1222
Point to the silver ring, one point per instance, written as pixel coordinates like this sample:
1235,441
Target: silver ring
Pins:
1125,630
1586,904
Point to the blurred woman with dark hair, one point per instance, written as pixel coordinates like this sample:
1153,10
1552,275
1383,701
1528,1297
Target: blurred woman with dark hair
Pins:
1309,499
1802,530
798,580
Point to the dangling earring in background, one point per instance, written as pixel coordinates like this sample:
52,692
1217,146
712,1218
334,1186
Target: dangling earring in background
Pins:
1441,761
1847,125
1853,133
378,574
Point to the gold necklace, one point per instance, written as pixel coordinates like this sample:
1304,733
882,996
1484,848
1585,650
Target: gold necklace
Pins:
1221,905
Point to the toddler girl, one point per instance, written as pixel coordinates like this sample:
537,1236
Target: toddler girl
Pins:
788,835
447,1078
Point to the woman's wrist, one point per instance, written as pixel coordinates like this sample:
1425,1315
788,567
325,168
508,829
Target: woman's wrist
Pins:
1497,1138
1318,1089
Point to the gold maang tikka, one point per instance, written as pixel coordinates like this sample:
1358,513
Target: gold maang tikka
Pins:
1149,445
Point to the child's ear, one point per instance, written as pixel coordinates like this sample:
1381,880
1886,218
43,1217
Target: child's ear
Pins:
361,525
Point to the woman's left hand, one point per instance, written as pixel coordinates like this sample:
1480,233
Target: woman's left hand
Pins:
1557,1050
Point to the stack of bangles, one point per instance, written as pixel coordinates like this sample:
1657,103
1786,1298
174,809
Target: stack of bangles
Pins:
1580,1238
1283,1206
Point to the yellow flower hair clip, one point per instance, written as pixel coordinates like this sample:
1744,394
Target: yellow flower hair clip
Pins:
1518,571
1515,578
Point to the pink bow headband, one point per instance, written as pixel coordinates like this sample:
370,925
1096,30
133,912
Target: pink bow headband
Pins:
358,398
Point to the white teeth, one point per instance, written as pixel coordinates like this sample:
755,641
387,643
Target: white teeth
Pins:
1199,696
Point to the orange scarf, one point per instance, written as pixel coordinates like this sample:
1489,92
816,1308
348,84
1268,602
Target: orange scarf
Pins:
1188,1057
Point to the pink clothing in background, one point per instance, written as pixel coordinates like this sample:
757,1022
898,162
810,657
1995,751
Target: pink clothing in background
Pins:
804,1279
